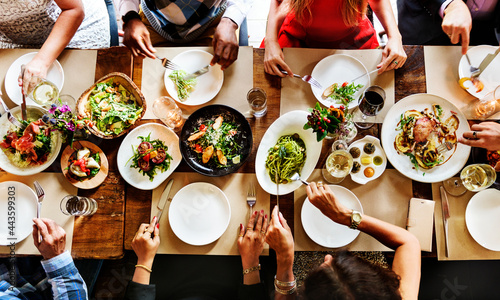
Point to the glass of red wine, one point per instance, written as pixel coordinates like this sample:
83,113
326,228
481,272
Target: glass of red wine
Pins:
369,106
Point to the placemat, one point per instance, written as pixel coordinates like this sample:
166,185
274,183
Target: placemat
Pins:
78,65
462,245
385,198
238,80
55,187
441,75
235,187
296,94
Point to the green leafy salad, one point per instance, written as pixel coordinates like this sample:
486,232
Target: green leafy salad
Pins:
342,93
184,87
150,156
113,108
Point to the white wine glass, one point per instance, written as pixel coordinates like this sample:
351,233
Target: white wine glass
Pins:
338,164
478,177
42,91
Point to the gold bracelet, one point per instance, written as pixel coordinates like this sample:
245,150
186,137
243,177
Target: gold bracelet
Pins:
249,270
144,267
285,292
285,283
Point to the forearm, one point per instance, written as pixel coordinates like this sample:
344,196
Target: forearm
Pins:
141,275
284,272
383,10
277,14
237,10
254,276
64,278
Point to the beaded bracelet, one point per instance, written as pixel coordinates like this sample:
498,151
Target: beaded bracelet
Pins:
285,283
144,267
249,270
285,292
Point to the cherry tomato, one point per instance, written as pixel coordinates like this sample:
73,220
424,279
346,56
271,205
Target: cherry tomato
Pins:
198,148
146,157
344,84
160,156
144,146
203,127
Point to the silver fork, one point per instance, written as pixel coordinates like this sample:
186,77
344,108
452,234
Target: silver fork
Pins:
307,78
10,117
168,64
40,193
473,70
251,199
444,147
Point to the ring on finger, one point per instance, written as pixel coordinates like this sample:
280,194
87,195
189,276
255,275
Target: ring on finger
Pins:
249,228
263,232
241,234
395,62
474,134
320,184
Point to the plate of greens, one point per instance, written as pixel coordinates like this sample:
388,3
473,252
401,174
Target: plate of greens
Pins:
148,155
287,148
216,140
334,73
198,90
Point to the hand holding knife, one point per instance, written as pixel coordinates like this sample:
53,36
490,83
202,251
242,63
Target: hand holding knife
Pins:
163,200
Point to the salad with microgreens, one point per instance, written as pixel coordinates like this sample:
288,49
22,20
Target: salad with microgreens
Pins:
184,87
113,108
341,93
150,156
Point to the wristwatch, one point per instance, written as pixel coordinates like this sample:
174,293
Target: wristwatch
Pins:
355,219
130,16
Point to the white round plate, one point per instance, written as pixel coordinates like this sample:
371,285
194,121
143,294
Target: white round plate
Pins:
55,74
490,76
339,68
132,175
379,151
322,230
208,85
5,126
402,162
289,123
199,213
23,211
481,218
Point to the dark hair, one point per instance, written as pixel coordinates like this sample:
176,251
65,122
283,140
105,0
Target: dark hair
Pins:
350,278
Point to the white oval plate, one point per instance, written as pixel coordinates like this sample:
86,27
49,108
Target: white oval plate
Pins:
339,68
131,141
55,74
199,213
402,162
289,123
322,230
5,162
25,206
360,176
209,84
481,218
490,76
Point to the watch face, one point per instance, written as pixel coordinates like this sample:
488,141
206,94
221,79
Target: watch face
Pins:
356,217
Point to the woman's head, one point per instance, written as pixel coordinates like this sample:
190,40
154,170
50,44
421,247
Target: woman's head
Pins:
346,276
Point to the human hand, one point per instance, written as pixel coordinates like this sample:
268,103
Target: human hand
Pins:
274,60
136,38
487,136
251,239
53,240
457,23
225,44
279,237
323,198
393,55
144,245
36,67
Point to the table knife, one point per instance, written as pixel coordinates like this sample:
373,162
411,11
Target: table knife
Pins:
486,61
197,73
277,190
446,215
163,200
362,75
23,104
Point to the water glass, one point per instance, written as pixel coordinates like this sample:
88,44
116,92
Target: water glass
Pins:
369,106
42,91
487,106
169,113
78,206
68,100
257,99
478,177
338,164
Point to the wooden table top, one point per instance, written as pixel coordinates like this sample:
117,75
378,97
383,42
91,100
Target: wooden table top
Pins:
103,237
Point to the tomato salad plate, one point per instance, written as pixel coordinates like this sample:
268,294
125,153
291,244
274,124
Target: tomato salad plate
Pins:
148,155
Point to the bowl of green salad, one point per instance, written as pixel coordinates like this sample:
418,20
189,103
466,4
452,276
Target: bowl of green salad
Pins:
111,106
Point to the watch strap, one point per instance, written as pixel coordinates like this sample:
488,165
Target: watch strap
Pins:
354,223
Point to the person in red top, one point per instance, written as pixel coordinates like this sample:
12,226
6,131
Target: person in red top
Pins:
337,24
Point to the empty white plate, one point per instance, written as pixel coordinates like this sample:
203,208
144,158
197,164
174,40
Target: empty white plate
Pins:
481,218
490,76
322,230
18,204
199,213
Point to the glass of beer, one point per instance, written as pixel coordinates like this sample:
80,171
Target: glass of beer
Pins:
478,177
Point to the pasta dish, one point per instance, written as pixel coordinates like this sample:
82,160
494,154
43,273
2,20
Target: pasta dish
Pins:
286,158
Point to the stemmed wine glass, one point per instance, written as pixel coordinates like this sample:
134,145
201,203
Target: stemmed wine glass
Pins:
369,106
474,178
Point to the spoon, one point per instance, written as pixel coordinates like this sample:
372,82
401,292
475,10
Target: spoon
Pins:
296,177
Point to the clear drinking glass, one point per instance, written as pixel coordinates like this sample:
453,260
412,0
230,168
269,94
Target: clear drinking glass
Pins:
454,186
257,99
42,91
488,105
369,106
68,100
478,177
78,206
338,164
169,113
